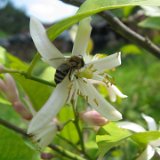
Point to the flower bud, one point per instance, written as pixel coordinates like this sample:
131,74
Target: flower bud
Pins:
3,86
11,88
93,117
20,108
46,156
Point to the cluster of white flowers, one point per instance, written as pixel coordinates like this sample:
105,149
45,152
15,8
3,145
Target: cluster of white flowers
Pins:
82,81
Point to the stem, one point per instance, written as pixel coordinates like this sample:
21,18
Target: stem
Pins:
80,133
76,122
56,148
69,142
14,128
124,30
27,76
65,152
129,34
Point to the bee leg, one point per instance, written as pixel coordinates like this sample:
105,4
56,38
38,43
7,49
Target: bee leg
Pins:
69,74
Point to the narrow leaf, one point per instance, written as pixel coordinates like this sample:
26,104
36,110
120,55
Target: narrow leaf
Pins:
90,7
151,22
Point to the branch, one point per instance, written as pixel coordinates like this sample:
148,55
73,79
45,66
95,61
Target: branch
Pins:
14,128
129,34
56,148
27,76
124,30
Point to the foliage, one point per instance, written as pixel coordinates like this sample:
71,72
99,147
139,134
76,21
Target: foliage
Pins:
138,77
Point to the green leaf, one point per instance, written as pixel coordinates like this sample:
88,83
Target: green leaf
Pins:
2,55
38,93
151,22
145,137
90,7
69,131
130,49
11,61
8,113
109,136
12,146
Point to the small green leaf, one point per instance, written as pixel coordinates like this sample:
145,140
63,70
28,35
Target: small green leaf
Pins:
69,131
13,147
151,22
109,136
130,49
38,93
90,7
11,61
146,137
8,113
2,55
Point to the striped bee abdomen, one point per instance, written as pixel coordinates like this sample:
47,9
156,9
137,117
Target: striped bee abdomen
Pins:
61,72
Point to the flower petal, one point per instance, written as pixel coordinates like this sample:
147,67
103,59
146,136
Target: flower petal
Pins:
155,143
45,135
48,51
106,63
158,151
131,126
82,37
150,122
147,154
51,107
113,92
97,101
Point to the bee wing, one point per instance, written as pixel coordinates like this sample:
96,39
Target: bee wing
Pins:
55,62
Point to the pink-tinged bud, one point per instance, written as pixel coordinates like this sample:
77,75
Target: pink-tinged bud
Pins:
3,86
46,156
20,108
11,91
94,118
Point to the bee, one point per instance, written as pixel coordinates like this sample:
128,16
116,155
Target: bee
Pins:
67,68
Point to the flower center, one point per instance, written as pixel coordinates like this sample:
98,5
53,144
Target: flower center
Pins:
86,72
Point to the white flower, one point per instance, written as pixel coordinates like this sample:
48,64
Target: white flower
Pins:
45,135
153,146
78,82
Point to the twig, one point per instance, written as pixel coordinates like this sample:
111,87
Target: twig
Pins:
129,34
124,30
56,148
76,123
65,152
14,128
27,76
80,133
69,142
